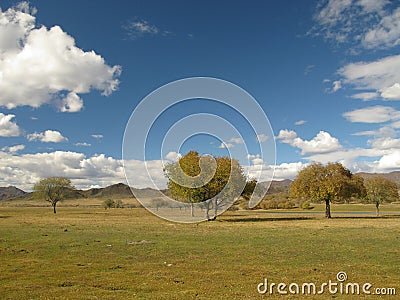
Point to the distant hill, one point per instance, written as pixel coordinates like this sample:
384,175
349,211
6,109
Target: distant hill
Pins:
278,186
392,176
10,192
115,190
121,190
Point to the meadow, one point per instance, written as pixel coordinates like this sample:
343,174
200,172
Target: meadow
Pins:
128,253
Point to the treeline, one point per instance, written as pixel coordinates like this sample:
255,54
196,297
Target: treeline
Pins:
332,183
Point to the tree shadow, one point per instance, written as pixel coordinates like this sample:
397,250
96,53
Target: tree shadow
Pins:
368,217
266,219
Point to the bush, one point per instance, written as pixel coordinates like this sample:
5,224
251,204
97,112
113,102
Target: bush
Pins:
287,205
109,203
306,205
269,204
233,208
118,204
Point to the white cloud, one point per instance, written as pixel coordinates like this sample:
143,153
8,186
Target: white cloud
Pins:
71,103
385,143
373,114
382,75
392,92
383,132
323,142
300,122
99,170
390,161
288,170
173,156
13,149
97,136
226,145
44,62
84,144
337,85
138,28
281,171
236,140
231,143
255,159
367,23
7,126
385,34
367,96
261,138
49,136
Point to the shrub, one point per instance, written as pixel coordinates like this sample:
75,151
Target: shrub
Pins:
306,205
270,204
109,203
287,205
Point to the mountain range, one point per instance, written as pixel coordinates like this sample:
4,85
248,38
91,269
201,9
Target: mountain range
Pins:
121,190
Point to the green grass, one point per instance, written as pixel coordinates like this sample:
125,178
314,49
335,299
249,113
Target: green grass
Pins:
84,253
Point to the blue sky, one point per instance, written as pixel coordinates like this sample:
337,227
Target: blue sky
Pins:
326,73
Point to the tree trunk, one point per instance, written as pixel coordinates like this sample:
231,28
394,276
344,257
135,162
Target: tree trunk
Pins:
192,209
327,209
377,208
54,207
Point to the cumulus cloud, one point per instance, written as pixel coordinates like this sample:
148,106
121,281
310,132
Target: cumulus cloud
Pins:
382,75
323,142
173,156
49,136
281,171
71,103
99,170
255,159
13,149
226,145
44,63
7,126
373,114
390,161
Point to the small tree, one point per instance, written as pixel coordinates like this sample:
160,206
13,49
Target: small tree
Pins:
380,189
52,189
326,183
108,203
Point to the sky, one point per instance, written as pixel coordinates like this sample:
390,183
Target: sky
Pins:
325,73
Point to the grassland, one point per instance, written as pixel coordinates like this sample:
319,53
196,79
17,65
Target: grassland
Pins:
92,253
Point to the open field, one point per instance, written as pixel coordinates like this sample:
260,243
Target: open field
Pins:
92,253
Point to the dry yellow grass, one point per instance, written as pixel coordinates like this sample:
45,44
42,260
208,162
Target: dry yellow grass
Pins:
92,253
